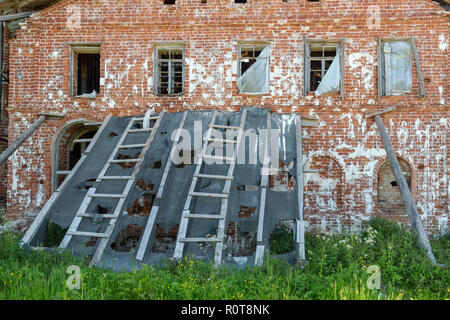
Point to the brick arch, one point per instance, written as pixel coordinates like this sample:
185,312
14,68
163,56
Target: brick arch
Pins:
62,139
324,190
388,200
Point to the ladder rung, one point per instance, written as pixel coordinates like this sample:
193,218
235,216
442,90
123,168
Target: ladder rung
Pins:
204,216
150,118
224,127
91,215
222,140
107,195
211,176
87,234
124,160
209,195
82,140
130,146
115,178
219,158
200,240
140,130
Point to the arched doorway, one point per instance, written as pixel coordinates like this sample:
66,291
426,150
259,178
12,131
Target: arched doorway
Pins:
389,197
69,145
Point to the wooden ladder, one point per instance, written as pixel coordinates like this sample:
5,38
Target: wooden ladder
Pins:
186,215
103,178
156,204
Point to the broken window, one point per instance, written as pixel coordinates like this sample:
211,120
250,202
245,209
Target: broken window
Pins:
86,71
323,72
169,69
253,73
395,67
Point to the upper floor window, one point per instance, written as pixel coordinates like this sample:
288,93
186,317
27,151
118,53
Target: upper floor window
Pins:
395,68
253,69
323,72
86,70
169,70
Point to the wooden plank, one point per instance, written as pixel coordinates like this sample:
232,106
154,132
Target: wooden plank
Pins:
139,130
23,137
219,158
172,153
110,228
16,16
83,140
179,247
123,161
95,215
305,67
146,121
114,178
213,177
86,234
108,195
300,182
380,69
154,212
264,182
131,146
223,141
259,256
147,233
342,67
208,195
217,126
310,122
419,69
37,222
226,190
416,222
379,112
204,216
77,220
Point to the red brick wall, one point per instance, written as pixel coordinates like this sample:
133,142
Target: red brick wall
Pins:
129,30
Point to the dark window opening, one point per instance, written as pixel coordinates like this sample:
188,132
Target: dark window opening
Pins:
240,1
88,73
248,57
170,71
169,1
320,59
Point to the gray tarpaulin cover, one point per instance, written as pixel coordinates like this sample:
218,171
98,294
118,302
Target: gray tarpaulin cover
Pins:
398,67
331,80
255,79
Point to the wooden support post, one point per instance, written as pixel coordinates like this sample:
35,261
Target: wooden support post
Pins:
300,230
16,144
416,222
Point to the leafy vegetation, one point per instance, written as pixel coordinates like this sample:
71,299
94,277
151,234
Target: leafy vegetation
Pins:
281,240
336,269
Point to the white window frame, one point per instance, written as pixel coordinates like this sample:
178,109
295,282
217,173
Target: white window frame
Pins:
253,45
175,46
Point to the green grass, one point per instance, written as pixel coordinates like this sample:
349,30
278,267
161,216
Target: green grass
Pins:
336,269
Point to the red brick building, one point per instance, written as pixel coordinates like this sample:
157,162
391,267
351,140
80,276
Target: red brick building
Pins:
121,49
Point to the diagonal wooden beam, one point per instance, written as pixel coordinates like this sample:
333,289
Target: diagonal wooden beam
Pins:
379,112
416,222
